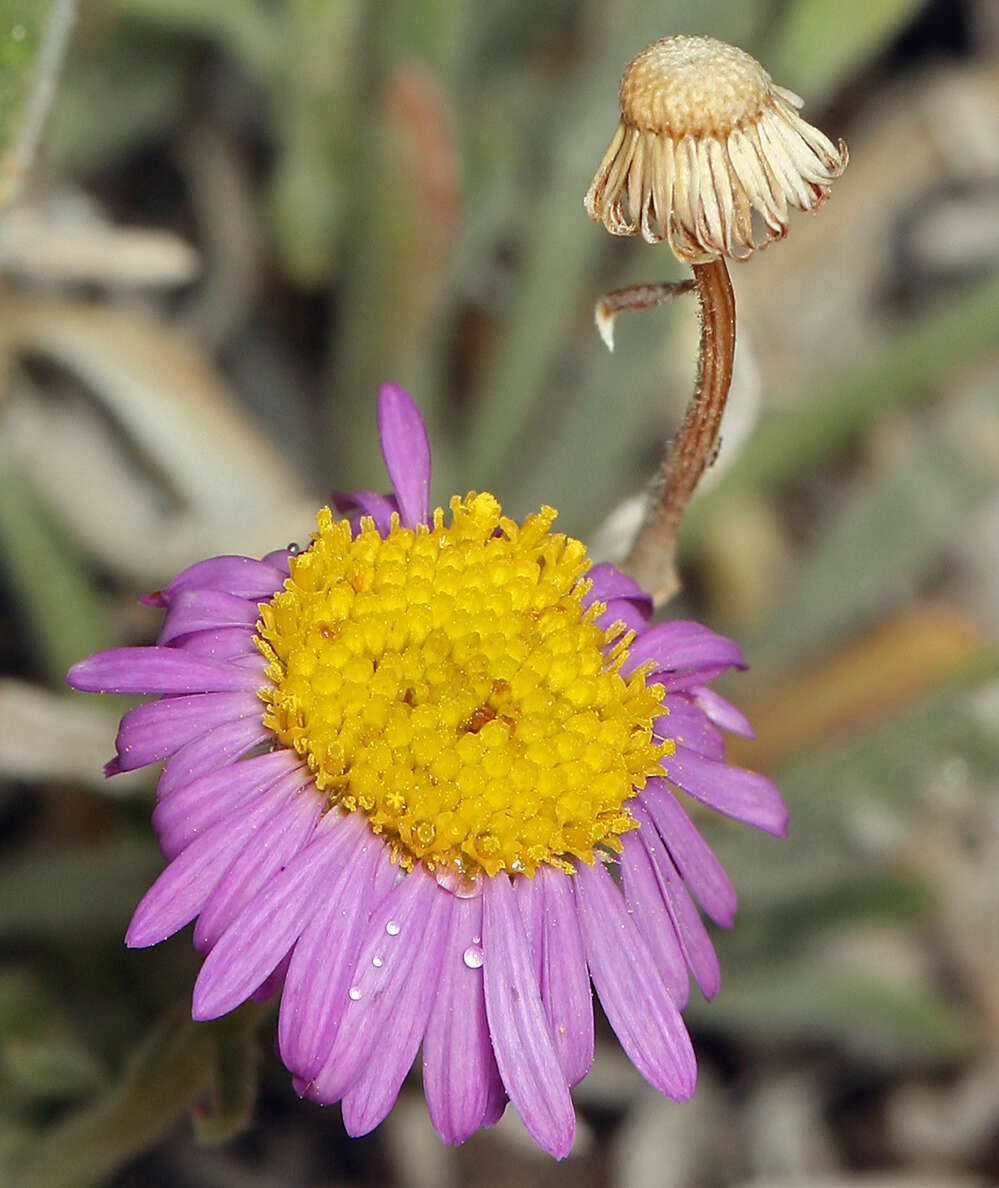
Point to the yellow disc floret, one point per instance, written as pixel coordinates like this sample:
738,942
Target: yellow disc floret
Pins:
447,683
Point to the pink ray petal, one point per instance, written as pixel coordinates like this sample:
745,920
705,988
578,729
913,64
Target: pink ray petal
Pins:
406,452
525,1055
635,999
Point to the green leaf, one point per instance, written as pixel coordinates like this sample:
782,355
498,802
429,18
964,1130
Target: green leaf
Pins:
51,1068
304,57
817,46
248,29
842,798
235,1076
164,1076
787,921
319,121
17,1138
21,25
48,581
93,888
22,1001
863,1013
121,93
41,1054
433,32
862,562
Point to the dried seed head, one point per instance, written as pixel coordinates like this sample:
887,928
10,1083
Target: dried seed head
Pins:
705,138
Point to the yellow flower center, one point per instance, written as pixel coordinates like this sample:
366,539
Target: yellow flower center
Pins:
447,683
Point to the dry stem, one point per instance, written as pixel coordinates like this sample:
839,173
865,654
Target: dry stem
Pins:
634,297
652,560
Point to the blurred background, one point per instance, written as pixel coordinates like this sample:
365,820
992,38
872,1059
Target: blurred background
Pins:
239,218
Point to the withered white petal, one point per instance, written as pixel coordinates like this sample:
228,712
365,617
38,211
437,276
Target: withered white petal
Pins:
705,138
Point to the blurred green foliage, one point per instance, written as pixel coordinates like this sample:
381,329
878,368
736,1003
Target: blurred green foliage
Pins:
21,25
844,802
60,605
162,1079
423,170
814,46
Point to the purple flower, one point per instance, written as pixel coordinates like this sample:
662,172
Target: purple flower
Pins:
425,778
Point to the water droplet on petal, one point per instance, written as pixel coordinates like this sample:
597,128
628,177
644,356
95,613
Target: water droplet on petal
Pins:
476,940
458,883
393,928
377,962
473,957
354,994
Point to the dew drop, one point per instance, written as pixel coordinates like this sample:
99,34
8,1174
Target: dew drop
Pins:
354,994
377,962
393,928
294,547
473,957
425,832
476,940
458,883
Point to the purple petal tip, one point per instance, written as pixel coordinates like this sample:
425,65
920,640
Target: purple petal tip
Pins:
76,678
406,451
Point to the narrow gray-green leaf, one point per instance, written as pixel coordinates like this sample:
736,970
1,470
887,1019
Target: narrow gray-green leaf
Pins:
844,798
166,1074
235,1077
869,1015
51,1068
88,889
22,23
114,97
789,920
817,45
246,28
48,581
888,532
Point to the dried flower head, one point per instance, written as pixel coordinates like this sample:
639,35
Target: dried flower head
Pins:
705,137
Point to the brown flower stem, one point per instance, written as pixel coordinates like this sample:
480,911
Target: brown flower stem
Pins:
652,560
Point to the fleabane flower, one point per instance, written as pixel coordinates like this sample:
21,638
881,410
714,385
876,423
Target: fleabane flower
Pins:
425,778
